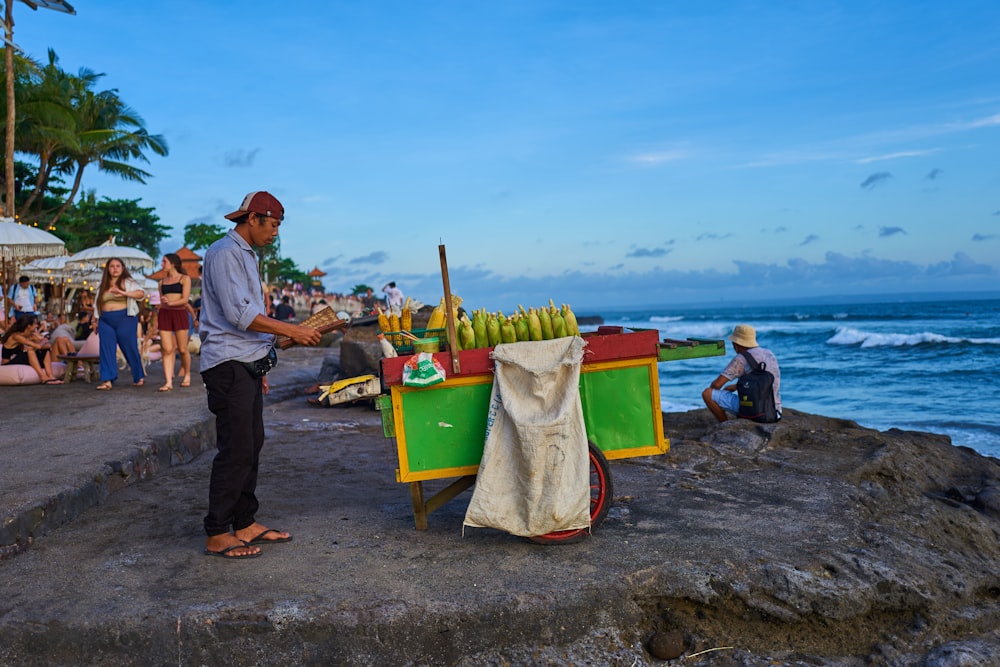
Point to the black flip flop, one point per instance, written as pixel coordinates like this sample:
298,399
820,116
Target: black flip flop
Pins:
222,554
259,539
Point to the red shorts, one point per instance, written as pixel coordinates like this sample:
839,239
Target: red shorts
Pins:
172,319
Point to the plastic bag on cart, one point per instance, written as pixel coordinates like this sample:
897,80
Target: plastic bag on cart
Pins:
422,370
534,477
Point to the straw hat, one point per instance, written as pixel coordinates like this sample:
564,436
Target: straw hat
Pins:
745,335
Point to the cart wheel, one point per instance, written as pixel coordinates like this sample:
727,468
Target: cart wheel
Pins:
601,493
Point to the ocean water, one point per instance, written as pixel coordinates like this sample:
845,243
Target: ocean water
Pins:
914,365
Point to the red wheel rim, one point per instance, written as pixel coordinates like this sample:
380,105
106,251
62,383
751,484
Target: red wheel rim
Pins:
598,496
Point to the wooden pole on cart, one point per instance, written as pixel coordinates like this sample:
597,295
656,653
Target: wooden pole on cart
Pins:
450,313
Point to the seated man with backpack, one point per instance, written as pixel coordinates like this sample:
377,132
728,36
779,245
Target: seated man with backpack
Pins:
756,394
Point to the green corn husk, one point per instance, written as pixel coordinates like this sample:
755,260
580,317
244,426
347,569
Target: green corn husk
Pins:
534,325
572,328
546,323
507,332
492,330
479,328
521,328
466,336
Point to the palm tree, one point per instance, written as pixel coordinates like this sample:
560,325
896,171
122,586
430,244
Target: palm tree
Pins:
49,124
108,133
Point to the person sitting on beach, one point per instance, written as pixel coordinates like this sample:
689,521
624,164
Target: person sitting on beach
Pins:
62,339
84,324
721,399
23,345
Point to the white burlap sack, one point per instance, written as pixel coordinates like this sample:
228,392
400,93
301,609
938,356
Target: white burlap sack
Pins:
534,477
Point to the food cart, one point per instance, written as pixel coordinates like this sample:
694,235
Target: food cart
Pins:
440,430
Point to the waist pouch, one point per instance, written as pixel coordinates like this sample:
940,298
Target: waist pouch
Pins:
260,367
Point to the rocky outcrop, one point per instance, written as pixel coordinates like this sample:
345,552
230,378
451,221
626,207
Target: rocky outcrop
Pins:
810,542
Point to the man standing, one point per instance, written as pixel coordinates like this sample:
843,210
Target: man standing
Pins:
393,297
721,399
237,350
22,297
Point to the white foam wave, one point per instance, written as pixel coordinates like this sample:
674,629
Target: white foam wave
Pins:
666,318
849,336
677,406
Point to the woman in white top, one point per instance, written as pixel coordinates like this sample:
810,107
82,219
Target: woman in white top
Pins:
116,311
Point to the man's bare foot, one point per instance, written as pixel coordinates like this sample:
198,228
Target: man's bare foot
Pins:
259,534
228,545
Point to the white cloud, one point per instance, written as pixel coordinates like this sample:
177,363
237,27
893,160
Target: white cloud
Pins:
797,278
654,159
897,155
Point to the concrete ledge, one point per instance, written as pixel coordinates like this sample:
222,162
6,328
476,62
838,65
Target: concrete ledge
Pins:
167,429
137,464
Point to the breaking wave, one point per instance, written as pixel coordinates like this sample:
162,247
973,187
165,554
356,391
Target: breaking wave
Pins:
848,336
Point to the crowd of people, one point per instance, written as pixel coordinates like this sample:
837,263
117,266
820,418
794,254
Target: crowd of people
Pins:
126,326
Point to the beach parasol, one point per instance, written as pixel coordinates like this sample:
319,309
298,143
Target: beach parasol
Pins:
133,258
23,242
56,268
20,242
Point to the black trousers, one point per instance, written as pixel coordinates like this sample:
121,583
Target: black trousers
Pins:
236,399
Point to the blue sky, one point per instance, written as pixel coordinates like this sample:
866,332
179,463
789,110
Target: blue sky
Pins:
596,153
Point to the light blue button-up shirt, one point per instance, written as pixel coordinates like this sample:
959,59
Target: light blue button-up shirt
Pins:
231,297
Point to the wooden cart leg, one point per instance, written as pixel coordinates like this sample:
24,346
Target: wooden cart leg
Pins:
422,508
419,508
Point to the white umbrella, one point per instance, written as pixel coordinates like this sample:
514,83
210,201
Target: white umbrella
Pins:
133,258
21,242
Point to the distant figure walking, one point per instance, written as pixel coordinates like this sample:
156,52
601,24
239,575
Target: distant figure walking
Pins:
174,320
116,311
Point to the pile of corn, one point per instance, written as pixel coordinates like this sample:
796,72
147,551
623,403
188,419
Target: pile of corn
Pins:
393,322
486,329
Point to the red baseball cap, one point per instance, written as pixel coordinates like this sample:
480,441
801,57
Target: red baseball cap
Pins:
261,203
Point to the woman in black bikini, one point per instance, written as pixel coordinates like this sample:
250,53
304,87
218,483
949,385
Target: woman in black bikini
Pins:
23,345
173,321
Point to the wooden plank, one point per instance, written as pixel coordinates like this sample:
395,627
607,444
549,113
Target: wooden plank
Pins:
419,508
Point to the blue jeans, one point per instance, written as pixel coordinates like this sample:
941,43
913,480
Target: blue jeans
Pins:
117,329
729,401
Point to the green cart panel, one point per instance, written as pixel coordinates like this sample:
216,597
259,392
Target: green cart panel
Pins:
618,409
445,427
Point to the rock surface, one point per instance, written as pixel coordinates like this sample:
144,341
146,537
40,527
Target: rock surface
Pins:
809,542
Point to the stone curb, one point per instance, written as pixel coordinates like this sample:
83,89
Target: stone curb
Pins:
139,462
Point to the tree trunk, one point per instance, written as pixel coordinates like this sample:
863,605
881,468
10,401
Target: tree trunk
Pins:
8,202
72,194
